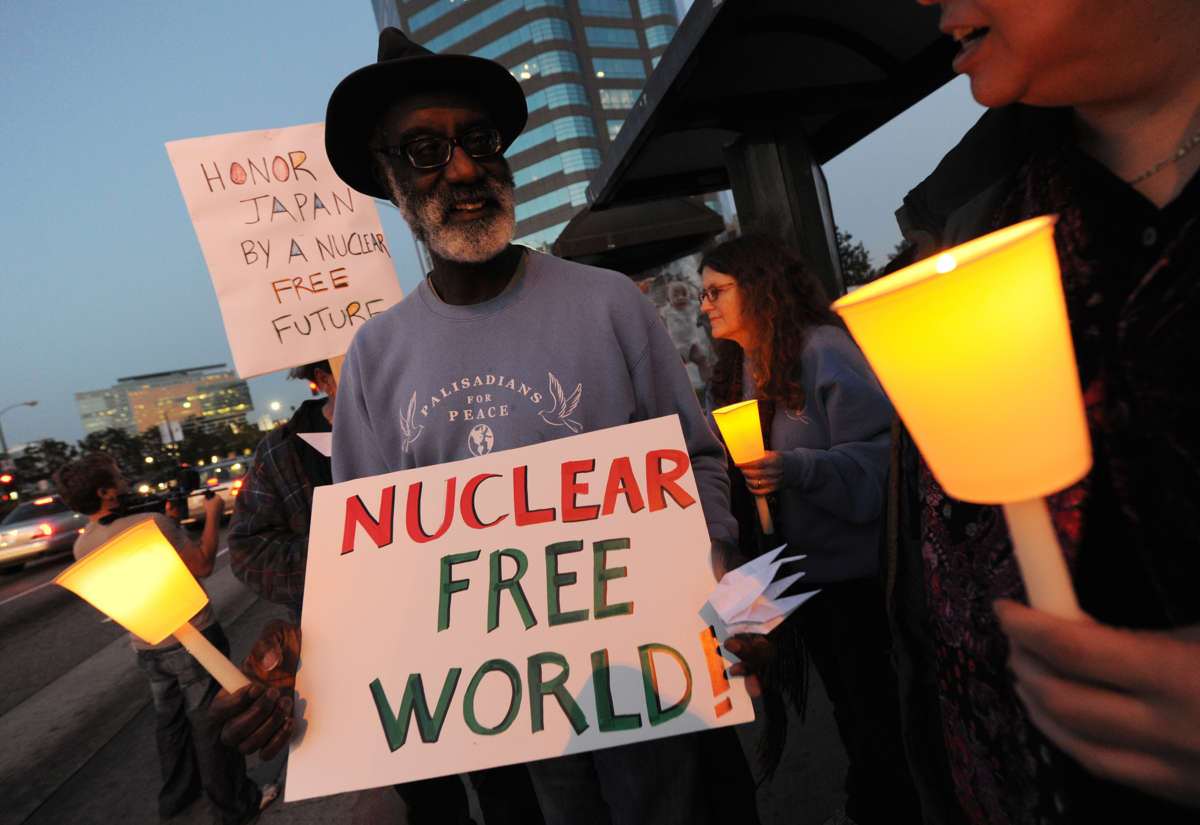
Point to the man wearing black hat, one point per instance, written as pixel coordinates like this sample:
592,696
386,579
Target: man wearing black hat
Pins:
501,347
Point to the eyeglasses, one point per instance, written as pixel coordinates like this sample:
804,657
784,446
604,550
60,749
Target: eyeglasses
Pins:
712,293
435,152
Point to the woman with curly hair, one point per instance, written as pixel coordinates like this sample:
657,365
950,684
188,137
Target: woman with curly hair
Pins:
826,424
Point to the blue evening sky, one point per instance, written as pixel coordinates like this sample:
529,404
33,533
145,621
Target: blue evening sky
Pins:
103,273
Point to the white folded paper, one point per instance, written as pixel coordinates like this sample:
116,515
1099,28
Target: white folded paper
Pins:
321,442
748,599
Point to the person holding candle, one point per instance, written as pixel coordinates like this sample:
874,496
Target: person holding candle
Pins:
1095,117
826,426
191,755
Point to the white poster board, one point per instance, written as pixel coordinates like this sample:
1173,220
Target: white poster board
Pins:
298,259
545,602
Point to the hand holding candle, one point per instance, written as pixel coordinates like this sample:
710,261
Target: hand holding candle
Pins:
974,350
261,718
739,426
139,580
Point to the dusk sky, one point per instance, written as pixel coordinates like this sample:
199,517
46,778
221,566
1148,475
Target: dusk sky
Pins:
104,275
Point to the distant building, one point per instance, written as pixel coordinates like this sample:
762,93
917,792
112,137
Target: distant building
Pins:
582,64
212,394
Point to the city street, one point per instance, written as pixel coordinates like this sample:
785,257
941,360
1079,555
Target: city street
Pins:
77,726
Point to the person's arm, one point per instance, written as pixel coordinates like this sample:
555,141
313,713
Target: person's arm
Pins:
848,479
200,556
1125,704
355,448
265,550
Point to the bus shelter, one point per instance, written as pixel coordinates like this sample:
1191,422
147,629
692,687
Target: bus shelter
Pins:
753,96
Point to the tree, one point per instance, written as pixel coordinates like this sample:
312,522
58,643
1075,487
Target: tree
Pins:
202,443
856,262
199,444
127,450
41,458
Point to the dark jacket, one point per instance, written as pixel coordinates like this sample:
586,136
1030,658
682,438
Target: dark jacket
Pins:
1139,555
268,535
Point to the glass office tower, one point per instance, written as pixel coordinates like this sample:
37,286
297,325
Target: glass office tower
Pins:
582,64
213,395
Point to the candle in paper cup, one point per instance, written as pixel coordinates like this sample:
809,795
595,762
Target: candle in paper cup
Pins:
739,426
139,580
973,348
741,430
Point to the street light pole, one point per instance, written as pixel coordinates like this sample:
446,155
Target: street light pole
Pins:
3,442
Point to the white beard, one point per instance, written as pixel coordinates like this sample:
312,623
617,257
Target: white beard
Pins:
473,242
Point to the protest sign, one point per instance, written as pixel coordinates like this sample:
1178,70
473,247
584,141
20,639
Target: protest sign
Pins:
517,606
297,257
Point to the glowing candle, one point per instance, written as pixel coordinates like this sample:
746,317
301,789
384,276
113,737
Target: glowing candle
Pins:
139,580
974,349
739,426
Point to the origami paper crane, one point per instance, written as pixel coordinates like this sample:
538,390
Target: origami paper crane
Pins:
749,599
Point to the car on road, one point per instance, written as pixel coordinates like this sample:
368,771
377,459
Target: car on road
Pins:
222,478
38,528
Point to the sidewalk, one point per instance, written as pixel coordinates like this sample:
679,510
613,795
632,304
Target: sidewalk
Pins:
98,763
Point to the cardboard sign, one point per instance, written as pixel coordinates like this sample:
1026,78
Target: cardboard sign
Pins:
297,257
517,606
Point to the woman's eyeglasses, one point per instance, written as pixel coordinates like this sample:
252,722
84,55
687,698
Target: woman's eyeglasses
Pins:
435,152
712,293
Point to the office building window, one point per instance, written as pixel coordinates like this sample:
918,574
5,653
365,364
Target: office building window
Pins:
605,8
609,38
566,94
580,160
547,63
574,194
537,32
618,98
614,126
560,94
618,67
659,35
564,128
426,16
573,160
498,10
649,8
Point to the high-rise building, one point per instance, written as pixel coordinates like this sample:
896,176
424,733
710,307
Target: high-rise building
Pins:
212,394
582,64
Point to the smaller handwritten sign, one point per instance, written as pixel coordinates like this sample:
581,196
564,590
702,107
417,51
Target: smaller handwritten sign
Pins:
298,258
517,606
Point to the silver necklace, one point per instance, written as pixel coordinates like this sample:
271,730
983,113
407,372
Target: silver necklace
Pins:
1185,147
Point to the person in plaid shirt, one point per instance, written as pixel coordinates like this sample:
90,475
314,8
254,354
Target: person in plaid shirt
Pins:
268,535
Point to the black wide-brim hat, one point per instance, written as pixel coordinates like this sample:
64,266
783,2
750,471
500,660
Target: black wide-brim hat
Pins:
406,69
